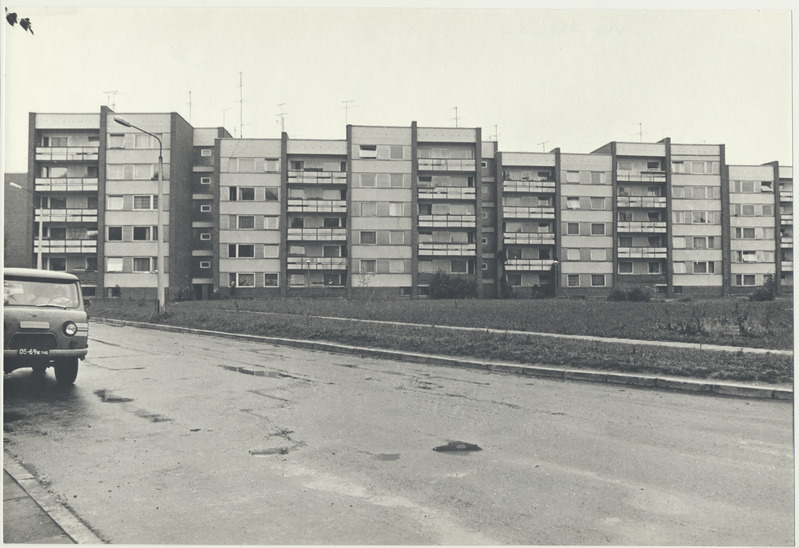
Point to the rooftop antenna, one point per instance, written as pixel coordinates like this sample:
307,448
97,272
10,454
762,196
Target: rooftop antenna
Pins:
241,105
640,131
346,111
496,133
189,105
543,145
456,116
282,115
224,110
111,98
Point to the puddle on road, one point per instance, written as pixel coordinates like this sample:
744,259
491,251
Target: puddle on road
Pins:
107,397
457,447
386,456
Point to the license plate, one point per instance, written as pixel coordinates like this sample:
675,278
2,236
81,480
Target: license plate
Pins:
32,352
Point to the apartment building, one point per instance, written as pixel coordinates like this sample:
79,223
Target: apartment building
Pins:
383,210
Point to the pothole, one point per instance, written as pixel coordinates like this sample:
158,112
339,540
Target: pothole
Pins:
107,397
457,447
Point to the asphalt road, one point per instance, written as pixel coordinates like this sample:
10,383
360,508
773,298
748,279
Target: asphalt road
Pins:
170,438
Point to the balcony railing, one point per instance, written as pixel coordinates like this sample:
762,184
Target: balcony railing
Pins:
528,265
786,241
447,193
786,196
642,253
83,154
317,263
641,201
66,215
641,176
521,212
657,227
446,249
527,238
317,177
786,266
66,246
451,221
528,187
317,206
786,218
68,184
446,164
317,234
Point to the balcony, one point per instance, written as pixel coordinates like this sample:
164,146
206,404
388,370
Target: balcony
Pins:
447,249
528,187
519,212
80,154
317,206
640,176
66,246
642,253
317,234
527,238
317,263
644,202
786,196
786,241
446,164
67,184
786,266
655,227
529,265
786,218
66,215
447,193
317,177
447,221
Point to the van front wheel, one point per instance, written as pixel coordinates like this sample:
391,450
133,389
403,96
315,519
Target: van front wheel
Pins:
66,371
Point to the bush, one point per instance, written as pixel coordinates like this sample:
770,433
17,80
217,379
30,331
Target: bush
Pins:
444,286
637,293
765,292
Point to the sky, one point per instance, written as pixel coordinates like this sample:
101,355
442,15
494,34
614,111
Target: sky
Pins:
532,78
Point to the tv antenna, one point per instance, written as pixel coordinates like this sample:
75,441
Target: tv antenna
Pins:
543,145
640,131
189,105
241,105
224,110
496,133
111,98
456,116
282,116
346,111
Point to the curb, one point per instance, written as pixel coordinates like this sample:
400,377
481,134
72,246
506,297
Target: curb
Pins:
557,373
59,513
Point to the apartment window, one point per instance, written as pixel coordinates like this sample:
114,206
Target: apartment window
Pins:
145,202
145,232
654,267
242,193
597,203
599,255
484,164
296,250
296,165
205,264
573,229
704,267
397,180
573,280
245,222
678,167
205,180
572,254
395,209
744,233
205,236
597,229
206,152
747,210
271,280
572,176
368,179
205,208
368,237
396,237
241,279
91,264
114,233
745,279
114,202
368,151
331,251
573,203
597,178
57,263
396,266
515,280
241,251
297,222
116,140
397,152
144,264
768,211
271,251
368,266
458,267
271,223
597,280
113,264
746,256
625,267
766,186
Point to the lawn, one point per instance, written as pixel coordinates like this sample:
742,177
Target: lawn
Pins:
738,323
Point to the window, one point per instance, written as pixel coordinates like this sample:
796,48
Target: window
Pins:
116,140
206,208
745,279
625,267
57,263
205,236
296,165
597,229
625,241
704,267
746,256
241,279
114,233
653,166
145,202
113,264
242,251
573,228
397,152
747,210
145,233
515,279
245,222
91,264
458,267
331,251
597,178
143,264
271,280
654,267
597,280
572,176
205,264
768,211
395,209
744,233
397,180
573,280
271,223
368,237
597,203
396,266
599,255
241,193
368,266
205,180
114,202
573,203
270,194
368,151
766,186
572,254
271,251
206,152
368,179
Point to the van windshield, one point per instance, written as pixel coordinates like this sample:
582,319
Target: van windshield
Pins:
35,292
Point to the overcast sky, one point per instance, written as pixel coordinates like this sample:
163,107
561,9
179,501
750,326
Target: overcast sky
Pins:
538,79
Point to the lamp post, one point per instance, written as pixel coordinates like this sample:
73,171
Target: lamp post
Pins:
161,299
41,204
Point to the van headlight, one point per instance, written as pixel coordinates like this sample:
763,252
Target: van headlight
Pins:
70,329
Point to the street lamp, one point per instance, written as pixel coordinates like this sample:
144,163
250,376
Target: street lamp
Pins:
161,300
41,239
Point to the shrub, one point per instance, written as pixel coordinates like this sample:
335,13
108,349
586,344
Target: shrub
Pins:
765,292
444,286
637,293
